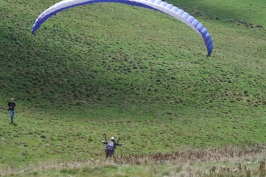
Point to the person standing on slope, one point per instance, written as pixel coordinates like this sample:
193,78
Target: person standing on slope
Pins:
11,109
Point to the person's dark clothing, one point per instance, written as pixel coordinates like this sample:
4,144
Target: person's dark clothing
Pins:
11,105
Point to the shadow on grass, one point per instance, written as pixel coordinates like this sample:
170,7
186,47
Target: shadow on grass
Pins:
14,124
50,69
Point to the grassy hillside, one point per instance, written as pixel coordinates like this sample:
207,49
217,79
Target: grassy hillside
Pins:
249,11
129,72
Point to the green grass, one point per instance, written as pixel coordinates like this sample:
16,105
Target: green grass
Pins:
249,11
129,72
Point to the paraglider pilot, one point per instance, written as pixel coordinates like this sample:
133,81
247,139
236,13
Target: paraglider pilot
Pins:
110,147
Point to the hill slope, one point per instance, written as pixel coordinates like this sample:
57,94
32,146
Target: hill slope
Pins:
132,72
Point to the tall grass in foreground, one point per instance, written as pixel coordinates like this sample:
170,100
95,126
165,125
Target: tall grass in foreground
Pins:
246,160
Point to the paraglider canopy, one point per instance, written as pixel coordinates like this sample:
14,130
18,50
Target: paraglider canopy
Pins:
158,5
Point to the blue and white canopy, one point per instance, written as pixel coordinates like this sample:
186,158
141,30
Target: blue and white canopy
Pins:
158,5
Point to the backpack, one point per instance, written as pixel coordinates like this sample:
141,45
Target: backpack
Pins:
110,145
